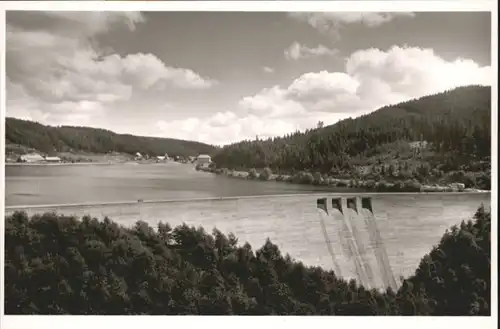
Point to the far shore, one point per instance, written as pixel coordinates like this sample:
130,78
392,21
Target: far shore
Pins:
57,163
84,163
335,182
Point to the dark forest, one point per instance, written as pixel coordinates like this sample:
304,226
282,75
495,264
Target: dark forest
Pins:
56,264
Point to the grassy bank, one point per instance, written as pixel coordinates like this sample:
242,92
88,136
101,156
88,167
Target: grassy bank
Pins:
61,265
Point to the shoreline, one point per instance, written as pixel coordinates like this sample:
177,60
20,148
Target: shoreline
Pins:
14,164
346,183
58,164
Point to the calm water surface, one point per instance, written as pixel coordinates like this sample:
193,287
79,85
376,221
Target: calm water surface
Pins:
59,184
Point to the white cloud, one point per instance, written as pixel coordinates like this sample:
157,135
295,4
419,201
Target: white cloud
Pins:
212,130
147,71
60,66
23,106
271,103
372,78
268,69
332,21
297,51
413,72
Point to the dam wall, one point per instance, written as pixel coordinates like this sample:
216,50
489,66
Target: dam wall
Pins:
375,246
357,245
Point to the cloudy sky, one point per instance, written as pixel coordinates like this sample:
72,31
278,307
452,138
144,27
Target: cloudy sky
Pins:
222,77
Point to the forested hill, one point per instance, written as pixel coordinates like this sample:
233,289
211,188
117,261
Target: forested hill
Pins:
83,139
455,123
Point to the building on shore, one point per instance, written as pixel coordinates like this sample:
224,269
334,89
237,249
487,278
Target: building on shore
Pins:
30,158
138,156
457,186
203,159
52,159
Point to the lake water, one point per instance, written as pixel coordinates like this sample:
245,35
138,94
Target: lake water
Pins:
57,184
409,224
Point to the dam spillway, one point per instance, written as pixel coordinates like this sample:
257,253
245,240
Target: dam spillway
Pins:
407,225
359,242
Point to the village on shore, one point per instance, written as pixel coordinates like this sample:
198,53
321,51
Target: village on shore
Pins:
36,158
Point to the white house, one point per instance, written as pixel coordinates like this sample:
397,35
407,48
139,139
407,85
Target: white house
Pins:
458,186
138,156
31,157
52,159
203,159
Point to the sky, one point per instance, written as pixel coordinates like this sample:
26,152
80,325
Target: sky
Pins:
222,77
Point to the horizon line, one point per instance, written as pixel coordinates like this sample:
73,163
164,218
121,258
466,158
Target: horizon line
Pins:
246,140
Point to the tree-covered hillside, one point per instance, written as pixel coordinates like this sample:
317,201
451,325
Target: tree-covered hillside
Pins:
61,265
455,124
49,139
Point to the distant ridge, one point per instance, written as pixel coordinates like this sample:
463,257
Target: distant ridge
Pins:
49,139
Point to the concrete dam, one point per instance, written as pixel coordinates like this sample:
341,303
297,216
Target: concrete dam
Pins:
354,240
373,238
